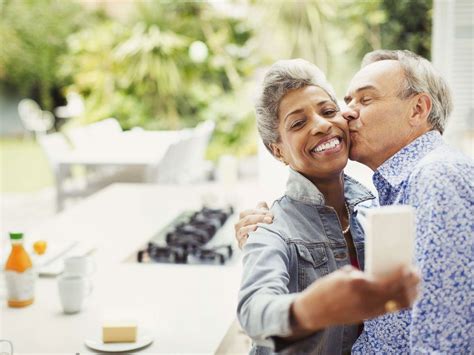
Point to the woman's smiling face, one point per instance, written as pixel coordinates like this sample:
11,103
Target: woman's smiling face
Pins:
314,137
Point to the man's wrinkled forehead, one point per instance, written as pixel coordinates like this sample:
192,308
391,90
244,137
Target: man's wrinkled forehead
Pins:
385,75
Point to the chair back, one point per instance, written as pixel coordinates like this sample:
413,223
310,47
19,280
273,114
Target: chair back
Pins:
54,145
184,159
197,154
33,118
94,134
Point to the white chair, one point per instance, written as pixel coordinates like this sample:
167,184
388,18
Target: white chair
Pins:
173,165
54,146
33,118
94,134
184,161
198,167
67,185
95,137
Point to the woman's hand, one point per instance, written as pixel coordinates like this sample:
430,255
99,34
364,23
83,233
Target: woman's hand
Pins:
248,220
348,296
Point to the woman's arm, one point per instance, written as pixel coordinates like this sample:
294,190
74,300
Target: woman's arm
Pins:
264,298
348,296
267,311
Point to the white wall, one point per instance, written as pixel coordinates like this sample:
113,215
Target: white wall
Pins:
452,55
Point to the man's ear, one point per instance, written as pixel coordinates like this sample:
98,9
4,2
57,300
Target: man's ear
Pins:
277,152
421,109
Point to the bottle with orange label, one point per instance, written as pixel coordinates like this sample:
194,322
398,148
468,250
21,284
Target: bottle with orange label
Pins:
19,273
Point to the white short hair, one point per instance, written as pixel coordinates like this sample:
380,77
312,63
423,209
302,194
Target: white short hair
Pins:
283,77
420,76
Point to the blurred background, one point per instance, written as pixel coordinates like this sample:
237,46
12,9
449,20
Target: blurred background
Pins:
172,66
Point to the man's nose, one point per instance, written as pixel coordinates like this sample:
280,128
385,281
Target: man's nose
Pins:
350,114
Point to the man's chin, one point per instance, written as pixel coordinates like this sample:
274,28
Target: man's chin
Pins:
352,154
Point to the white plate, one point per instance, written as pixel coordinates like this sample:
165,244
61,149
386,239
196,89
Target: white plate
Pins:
143,339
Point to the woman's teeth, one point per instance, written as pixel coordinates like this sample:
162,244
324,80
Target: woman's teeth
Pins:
328,145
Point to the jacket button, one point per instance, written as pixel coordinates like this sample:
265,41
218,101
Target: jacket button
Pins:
340,256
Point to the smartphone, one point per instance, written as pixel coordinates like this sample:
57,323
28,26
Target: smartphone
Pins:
390,238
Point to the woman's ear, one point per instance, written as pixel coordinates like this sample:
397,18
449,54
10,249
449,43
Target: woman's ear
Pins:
421,110
277,152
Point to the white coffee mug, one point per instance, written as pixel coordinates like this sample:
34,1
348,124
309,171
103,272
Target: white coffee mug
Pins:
79,266
72,292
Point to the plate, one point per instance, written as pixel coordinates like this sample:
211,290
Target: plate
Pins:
143,339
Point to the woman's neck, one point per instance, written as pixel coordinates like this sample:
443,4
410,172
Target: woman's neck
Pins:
333,191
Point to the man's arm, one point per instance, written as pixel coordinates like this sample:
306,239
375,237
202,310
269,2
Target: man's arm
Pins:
441,318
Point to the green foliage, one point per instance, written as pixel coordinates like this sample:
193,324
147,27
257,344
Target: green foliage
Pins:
295,30
362,26
129,73
408,25
142,72
236,131
387,24
140,68
33,36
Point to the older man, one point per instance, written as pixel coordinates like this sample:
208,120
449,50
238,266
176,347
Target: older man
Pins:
397,110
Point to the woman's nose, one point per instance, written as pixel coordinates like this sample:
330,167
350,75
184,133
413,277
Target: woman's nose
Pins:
350,114
320,125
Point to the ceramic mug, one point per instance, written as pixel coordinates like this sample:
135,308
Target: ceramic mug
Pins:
72,292
79,266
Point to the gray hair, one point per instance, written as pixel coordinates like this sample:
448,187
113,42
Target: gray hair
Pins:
283,77
420,77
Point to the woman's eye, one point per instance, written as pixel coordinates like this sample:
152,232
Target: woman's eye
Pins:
297,124
329,113
365,100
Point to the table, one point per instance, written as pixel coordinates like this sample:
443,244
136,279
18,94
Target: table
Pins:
137,149
131,148
188,308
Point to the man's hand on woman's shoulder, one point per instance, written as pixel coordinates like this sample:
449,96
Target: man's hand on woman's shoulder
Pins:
248,221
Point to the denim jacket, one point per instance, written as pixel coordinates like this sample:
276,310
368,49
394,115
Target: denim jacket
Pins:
304,243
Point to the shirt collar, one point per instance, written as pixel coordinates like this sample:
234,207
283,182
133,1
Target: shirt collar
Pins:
301,189
397,168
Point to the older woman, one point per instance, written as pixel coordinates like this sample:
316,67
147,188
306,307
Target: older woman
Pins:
284,291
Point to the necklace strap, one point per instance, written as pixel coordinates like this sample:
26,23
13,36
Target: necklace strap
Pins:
346,230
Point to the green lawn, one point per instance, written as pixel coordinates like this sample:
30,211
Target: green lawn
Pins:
24,167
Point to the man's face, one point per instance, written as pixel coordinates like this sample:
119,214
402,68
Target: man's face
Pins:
378,118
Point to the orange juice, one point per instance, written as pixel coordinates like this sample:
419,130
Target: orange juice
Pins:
19,274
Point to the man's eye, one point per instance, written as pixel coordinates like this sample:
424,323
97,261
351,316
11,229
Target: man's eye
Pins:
365,100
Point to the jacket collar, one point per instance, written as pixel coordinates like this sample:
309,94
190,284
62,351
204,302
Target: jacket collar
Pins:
301,189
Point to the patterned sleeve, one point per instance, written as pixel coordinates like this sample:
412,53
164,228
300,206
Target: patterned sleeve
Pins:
443,196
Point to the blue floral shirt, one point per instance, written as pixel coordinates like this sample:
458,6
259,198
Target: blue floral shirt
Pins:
438,181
